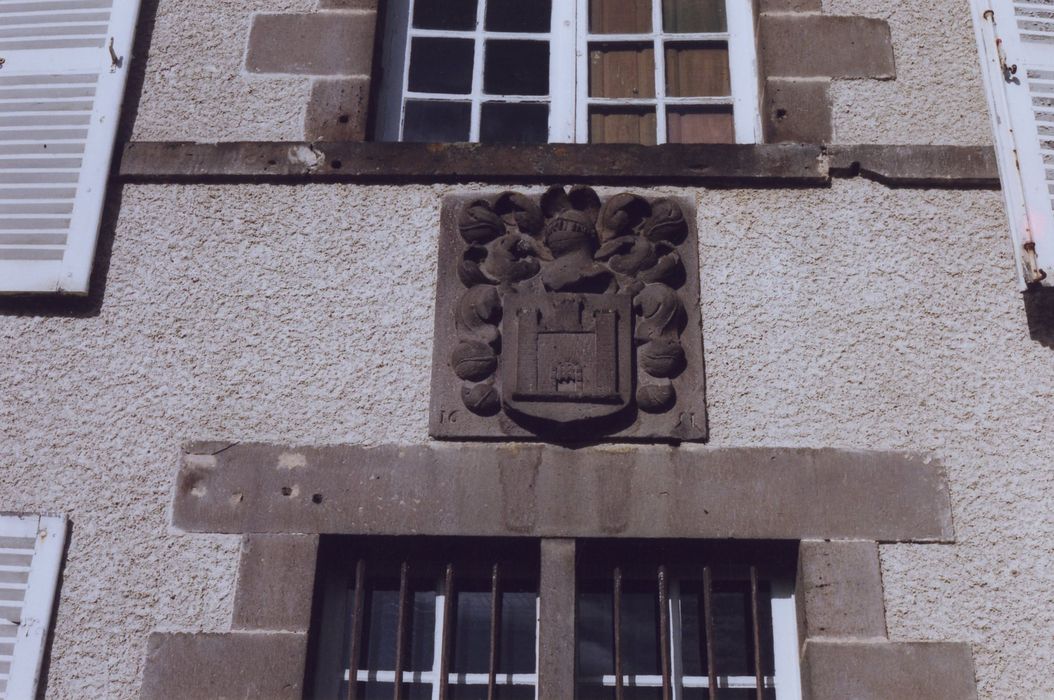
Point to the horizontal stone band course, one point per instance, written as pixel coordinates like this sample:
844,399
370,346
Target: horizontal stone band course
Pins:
544,491
790,165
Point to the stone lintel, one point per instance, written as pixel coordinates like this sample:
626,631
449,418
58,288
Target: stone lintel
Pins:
275,582
839,590
883,670
547,491
316,43
225,665
823,46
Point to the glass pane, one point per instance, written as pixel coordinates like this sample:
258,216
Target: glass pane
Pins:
386,691
595,635
622,125
381,625
514,123
620,16
502,692
684,16
519,15
441,65
697,70
445,14
640,629
700,125
622,70
437,122
516,68
471,653
733,633
519,615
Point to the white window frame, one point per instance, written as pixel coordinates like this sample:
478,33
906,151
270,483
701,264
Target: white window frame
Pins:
432,677
568,97
787,678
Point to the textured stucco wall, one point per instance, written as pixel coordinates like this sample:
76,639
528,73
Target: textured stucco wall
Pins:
856,316
938,96
196,87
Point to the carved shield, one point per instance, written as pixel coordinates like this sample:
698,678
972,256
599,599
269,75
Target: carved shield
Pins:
567,357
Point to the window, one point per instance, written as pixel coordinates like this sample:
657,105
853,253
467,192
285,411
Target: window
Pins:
684,618
586,71
458,619
398,613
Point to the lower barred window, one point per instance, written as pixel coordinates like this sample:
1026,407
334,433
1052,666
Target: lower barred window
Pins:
457,619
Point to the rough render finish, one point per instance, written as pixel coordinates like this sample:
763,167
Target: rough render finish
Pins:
853,317
938,95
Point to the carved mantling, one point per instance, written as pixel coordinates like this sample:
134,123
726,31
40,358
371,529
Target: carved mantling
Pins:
568,318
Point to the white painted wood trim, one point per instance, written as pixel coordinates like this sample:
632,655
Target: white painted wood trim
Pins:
743,70
785,641
28,657
1021,164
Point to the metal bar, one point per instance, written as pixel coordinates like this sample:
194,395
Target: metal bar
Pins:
495,628
356,629
708,618
617,617
401,632
444,649
664,633
759,677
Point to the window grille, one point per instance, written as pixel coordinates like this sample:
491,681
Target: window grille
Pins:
457,619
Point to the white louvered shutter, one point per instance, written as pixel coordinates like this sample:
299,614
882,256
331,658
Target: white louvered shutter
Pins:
60,99
30,557
1016,41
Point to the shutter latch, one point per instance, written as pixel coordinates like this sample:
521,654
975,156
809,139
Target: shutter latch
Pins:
115,60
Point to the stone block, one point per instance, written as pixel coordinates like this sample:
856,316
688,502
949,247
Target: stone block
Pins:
348,5
790,5
338,110
322,43
840,590
225,666
821,46
881,671
275,582
797,110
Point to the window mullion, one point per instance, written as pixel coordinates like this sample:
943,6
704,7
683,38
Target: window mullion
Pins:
477,73
660,73
556,620
406,66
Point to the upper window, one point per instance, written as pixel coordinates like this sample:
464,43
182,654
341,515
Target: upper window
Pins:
587,71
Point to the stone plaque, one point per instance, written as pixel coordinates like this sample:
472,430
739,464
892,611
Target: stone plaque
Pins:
566,318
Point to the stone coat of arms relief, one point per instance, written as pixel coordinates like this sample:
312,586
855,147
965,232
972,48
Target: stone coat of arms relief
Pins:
568,318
